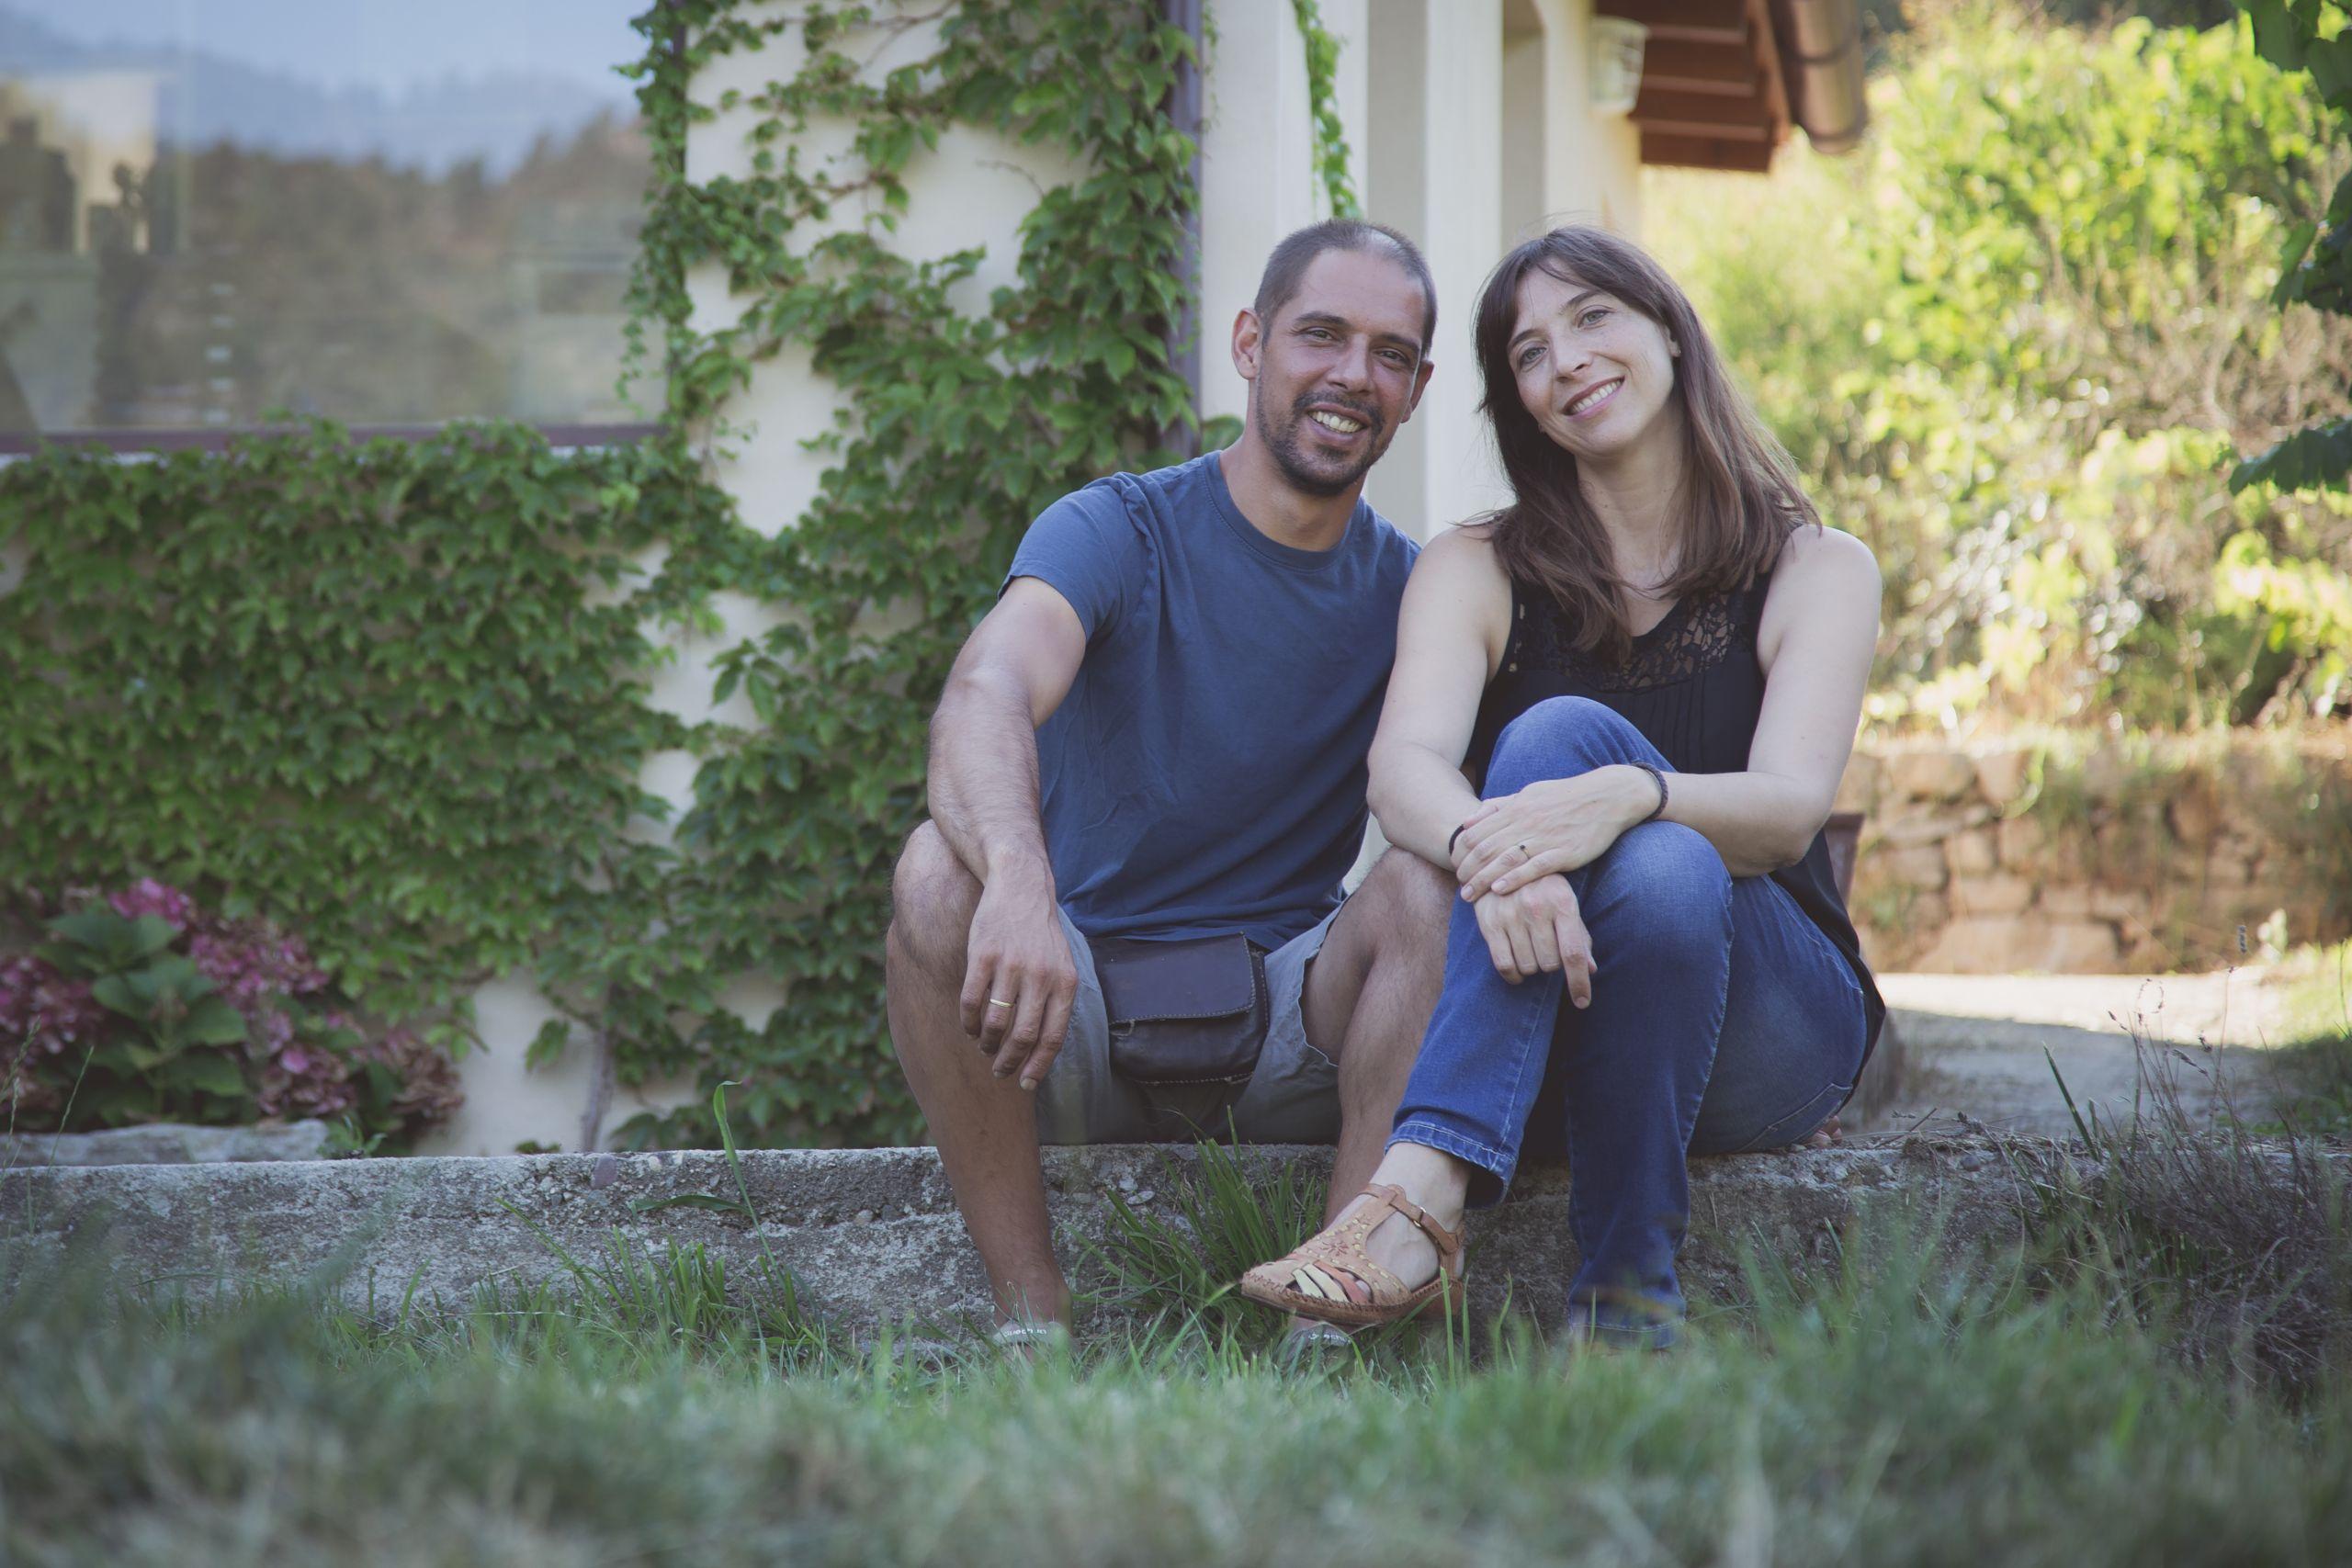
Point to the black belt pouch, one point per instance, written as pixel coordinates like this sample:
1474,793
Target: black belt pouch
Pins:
1183,1013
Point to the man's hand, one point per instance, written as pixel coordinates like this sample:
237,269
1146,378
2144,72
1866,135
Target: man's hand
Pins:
1018,977
1539,930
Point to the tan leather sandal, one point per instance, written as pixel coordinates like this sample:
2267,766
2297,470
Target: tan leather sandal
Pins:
1307,1282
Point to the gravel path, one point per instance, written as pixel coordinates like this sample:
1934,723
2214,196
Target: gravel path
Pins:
1976,1044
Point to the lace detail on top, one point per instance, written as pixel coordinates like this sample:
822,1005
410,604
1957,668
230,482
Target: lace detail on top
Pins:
1691,638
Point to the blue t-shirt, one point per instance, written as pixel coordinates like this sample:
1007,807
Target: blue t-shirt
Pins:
1207,771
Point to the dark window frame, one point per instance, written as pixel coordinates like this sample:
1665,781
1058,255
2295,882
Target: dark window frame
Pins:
132,440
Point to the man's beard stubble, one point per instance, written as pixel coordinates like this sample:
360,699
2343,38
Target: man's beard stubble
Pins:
1292,460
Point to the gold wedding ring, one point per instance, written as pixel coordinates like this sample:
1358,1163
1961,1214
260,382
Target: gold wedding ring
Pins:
999,1002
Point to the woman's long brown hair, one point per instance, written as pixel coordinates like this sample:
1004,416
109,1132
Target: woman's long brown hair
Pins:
1740,496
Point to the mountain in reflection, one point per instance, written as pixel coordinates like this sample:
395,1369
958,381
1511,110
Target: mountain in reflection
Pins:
203,99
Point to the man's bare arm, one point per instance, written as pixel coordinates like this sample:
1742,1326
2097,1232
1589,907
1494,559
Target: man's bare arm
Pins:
1014,671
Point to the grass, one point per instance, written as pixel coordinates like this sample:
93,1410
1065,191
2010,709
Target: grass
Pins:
2081,1400
2159,1374
2316,1067
1914,1409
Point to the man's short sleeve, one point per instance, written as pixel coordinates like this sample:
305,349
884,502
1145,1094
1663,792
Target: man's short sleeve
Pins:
1087,548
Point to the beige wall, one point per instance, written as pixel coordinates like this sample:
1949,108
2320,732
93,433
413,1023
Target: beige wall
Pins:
1481,134
1421,92
974,190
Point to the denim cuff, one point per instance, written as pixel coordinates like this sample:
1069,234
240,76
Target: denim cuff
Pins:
1496,1165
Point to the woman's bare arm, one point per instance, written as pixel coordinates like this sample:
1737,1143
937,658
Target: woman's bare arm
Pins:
1449,635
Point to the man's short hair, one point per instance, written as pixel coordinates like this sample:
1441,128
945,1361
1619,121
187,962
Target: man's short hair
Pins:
1287,268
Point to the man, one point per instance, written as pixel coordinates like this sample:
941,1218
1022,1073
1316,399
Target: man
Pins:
1160,733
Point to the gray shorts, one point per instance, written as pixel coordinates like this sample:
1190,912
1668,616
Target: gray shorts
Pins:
1292,1098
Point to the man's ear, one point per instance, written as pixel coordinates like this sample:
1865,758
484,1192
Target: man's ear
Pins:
1420,385
1248,342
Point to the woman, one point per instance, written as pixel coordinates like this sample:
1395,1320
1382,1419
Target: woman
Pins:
1652,664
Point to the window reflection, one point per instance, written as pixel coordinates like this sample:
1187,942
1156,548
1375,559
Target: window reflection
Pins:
386,213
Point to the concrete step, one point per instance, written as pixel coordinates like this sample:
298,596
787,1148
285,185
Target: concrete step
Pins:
872,1236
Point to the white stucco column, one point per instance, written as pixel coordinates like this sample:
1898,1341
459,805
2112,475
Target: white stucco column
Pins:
1592,162
1258,180
1434,95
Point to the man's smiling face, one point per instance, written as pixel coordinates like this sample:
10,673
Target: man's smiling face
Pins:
1339,369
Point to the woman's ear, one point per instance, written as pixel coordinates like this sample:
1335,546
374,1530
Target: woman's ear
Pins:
1673,349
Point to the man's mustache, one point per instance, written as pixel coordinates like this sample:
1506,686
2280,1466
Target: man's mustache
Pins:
1371,417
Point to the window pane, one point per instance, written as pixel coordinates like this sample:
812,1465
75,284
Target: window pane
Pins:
387,211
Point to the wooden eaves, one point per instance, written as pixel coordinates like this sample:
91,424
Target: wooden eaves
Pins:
1724,81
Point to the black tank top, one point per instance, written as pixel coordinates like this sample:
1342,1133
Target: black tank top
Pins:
1695,687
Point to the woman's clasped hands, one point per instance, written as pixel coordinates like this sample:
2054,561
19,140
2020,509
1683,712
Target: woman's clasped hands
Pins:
1553,825
1512,858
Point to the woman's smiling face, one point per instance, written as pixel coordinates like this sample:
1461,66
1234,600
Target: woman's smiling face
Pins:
1593,372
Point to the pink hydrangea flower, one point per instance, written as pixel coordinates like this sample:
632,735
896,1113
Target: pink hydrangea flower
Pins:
307,1083
45,1009
149,897
251,962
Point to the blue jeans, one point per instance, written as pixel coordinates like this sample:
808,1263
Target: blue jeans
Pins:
1721,1020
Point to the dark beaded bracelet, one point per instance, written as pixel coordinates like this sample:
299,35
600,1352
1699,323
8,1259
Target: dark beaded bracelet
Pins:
1659,779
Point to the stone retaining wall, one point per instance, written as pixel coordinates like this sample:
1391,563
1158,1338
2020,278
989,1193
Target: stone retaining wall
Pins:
2063,855
872,1236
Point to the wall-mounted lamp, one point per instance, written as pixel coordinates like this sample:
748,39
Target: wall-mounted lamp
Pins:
1617,45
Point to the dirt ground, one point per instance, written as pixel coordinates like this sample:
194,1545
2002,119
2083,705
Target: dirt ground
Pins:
1975,1045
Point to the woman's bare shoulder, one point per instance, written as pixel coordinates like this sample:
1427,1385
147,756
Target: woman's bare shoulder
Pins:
1825,584
1459,587
1817,553
1467,548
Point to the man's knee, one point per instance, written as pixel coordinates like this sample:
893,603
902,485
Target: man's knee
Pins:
933,897
1414,900
1412,904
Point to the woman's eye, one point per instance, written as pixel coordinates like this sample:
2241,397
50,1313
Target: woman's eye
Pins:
1596,313
1529,354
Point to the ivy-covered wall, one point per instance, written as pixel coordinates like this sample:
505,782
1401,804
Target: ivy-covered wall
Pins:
390,696
959,412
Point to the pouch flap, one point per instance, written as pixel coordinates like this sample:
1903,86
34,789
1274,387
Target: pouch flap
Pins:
1209,977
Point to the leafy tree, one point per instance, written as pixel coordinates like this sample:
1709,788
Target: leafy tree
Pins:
2310,36
2014,345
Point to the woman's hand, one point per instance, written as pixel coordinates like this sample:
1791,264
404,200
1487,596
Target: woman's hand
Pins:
1539,930
1553,825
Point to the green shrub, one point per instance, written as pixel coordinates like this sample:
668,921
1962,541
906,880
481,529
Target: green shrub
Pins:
2015,343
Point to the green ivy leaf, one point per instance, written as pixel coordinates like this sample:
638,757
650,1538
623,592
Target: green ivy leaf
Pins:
212,1021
